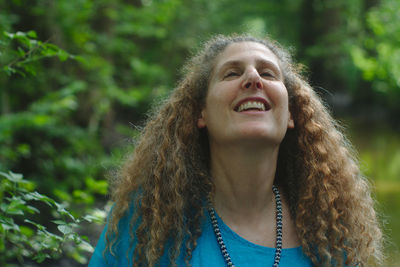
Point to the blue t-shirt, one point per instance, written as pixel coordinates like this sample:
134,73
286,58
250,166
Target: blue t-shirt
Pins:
206,254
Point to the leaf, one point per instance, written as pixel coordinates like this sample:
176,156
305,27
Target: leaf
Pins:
15,207
32,34
14,212
23,39
85,246
65,229
97,186
8,224
9,70
13,177
58,222
91,218
29,69
40,257
16,201
21,52
61,209
34,43
32,209
63,55
9,35
14,227
39,226
26,231
20,34
3,206
50,50
39,197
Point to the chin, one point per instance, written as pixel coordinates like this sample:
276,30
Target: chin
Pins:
257,134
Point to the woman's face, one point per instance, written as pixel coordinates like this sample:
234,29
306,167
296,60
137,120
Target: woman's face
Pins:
246,98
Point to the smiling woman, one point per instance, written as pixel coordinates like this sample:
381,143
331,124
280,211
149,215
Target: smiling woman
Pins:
242,166
246,98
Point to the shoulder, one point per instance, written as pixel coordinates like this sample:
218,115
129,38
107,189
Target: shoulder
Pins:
115,249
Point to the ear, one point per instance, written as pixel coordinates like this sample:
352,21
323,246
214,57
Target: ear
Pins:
201,122
290,122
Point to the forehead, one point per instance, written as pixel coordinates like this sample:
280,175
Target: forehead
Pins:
246,52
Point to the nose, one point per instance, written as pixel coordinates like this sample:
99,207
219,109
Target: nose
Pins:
252,80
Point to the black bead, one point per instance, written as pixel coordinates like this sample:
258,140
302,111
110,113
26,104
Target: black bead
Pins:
222,246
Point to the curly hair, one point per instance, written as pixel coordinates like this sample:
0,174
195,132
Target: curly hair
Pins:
167,176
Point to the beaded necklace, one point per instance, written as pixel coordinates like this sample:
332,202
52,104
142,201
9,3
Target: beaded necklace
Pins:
221,243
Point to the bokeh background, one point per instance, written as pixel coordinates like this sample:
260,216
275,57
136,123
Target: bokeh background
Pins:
78,77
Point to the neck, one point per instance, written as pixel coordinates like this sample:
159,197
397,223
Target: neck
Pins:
243,178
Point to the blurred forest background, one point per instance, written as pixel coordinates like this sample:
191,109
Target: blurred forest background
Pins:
78,76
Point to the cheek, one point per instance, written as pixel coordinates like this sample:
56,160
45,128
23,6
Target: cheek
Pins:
281,94
280,98
216,98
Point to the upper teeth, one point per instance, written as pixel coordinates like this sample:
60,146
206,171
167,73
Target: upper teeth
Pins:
250,105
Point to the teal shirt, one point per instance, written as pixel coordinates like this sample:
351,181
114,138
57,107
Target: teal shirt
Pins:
206,254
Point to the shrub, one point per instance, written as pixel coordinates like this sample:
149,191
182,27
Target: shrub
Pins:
23,239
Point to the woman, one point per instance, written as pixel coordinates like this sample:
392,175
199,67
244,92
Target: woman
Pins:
243,166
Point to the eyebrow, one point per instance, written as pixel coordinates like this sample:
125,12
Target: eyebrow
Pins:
259,62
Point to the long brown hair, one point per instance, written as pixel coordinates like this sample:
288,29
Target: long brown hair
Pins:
167,176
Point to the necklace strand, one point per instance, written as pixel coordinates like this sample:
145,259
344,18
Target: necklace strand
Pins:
278,244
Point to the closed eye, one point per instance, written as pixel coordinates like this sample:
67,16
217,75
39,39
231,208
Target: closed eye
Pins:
267,74
231,74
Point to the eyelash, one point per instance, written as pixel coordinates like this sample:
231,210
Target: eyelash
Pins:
267,73
230,74
262,74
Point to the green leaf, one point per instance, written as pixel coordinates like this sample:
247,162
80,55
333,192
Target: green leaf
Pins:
32,34
14,212
39,197
21,52
40,257
50,50
26,231
9,70
59,222
8,224
28,68
97,186
20,34
39,226
32,209
41,119
13,177
91,218
3,206
9,35
63,55
61,209
16,201
86,246
16,206
14,227
65,229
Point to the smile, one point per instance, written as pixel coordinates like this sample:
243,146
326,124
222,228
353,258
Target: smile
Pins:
252,104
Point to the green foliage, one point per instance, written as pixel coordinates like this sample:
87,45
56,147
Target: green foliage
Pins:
43,140
379,53
42,137
28,51
24,239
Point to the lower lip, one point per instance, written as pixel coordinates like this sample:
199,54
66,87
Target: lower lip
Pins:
255,112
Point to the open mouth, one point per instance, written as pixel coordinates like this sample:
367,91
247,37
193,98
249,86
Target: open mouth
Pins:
255,105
